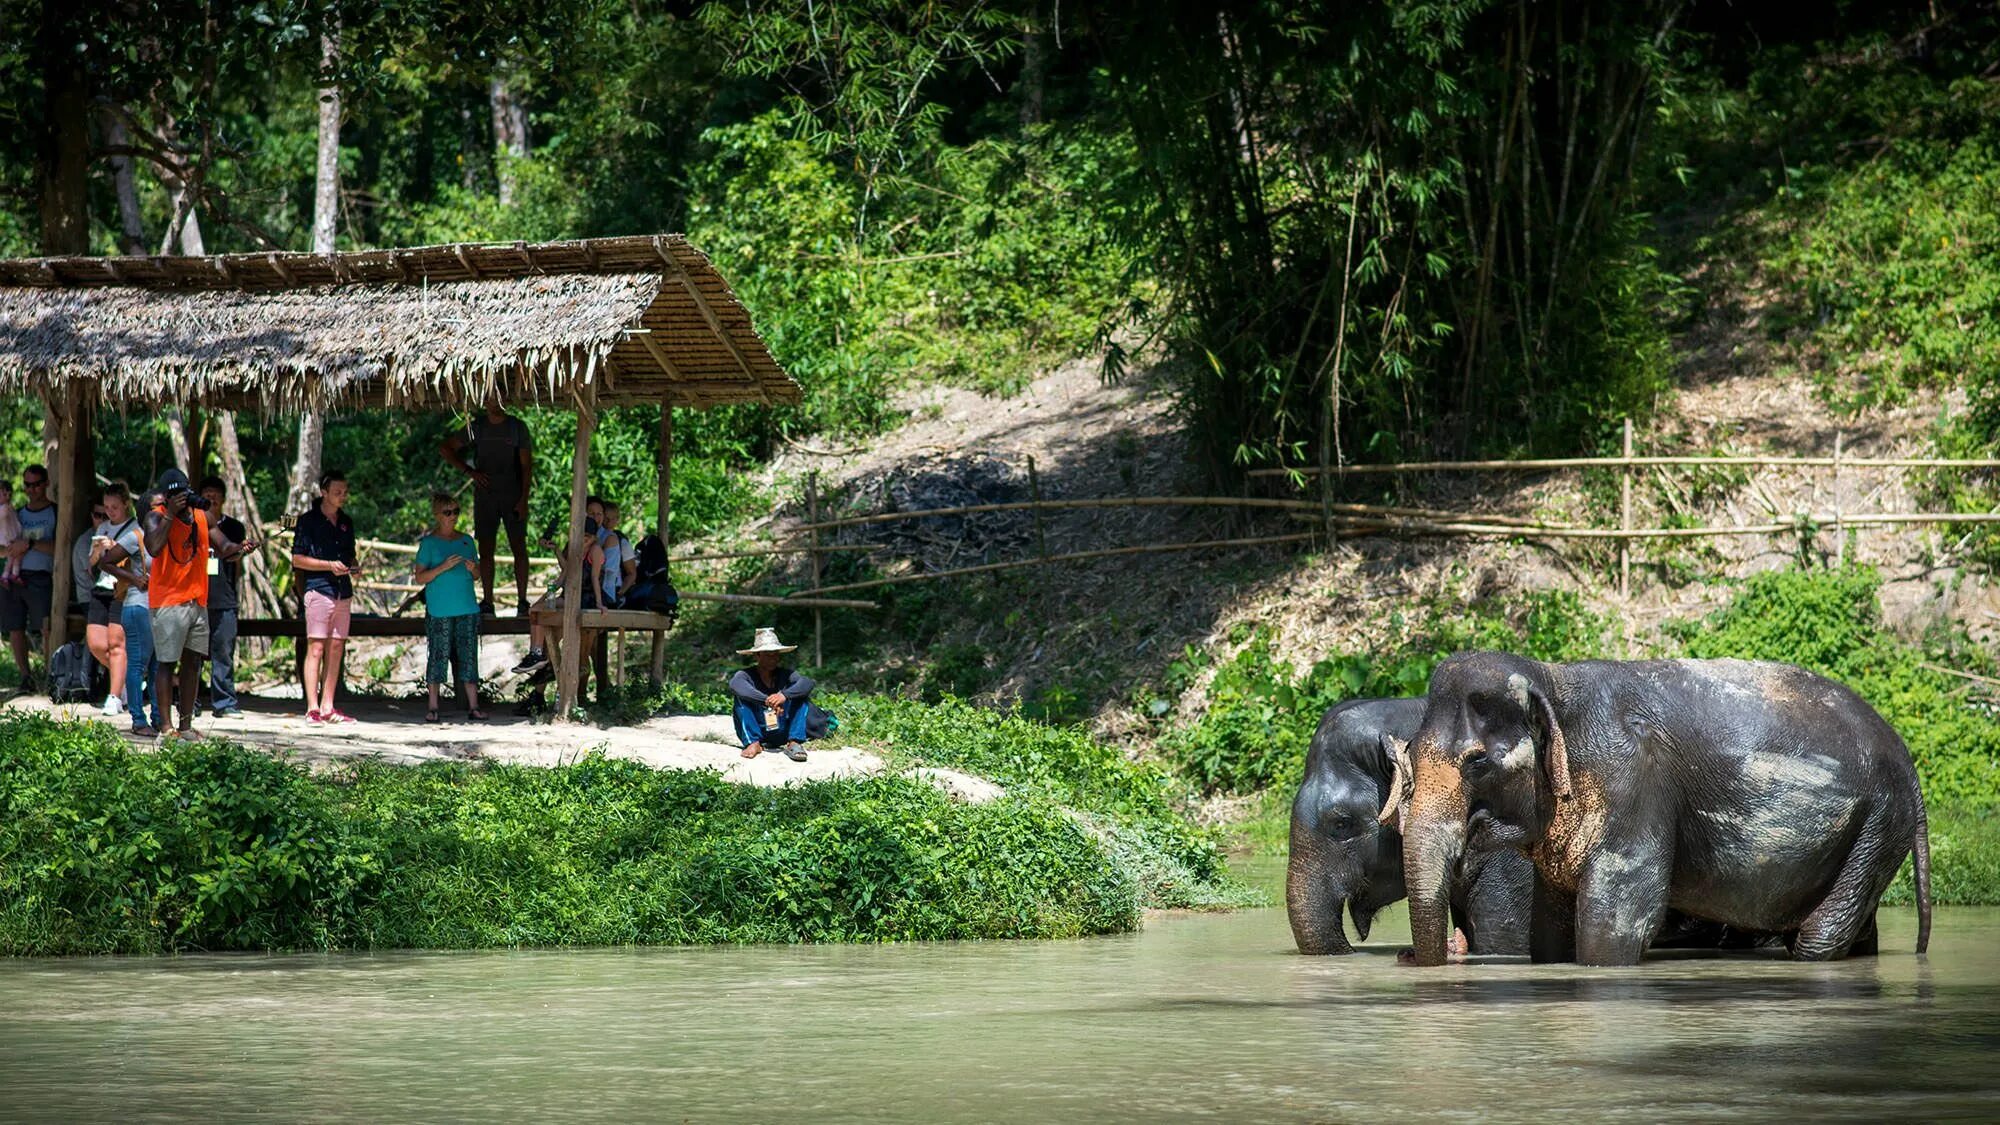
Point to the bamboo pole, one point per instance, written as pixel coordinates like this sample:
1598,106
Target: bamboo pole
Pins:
1365,510
1839,531
1070,557
573,578
1625,517
1616,462
1034,491
773,599
1095,502
812,514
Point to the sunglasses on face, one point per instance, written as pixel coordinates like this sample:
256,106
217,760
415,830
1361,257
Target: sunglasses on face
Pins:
26,483
447,511
98,514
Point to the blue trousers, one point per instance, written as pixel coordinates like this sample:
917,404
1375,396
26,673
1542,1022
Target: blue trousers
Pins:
791,724
137,622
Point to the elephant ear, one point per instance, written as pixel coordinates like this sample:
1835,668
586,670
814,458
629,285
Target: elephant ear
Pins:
1401,780
1556,756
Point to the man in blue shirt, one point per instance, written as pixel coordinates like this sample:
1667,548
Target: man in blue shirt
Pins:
771,700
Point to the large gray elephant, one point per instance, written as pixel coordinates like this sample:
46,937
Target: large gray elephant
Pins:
1346,850
1756,795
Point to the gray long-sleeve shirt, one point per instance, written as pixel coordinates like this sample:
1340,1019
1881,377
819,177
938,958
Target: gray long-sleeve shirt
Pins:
746,688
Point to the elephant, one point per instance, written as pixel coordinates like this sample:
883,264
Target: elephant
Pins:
1756,795
1343,852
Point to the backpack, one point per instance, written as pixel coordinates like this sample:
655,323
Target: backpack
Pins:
652,560
73,675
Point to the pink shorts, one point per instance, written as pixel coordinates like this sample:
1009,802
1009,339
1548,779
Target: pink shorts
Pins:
327,618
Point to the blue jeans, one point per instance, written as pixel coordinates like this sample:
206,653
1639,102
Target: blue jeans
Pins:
222,659
137,621
791,724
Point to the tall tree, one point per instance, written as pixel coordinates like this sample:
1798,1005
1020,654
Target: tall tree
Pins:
326,206
510,128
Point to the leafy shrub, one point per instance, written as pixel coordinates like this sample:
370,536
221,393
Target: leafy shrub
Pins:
1260,716
1830,622
208,846
1132,805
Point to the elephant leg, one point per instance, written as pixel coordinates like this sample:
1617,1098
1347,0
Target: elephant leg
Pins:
1830,931
1865,943
1551,924
1621,898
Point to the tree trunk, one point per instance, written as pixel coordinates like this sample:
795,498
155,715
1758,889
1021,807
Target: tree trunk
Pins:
63,166
186,457
1034,71
326,187
131,224
260,598
510,131
326,205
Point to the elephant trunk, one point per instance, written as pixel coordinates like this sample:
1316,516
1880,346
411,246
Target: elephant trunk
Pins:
1315,888
1432,842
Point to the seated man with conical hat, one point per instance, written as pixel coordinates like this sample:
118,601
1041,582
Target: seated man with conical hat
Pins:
771,700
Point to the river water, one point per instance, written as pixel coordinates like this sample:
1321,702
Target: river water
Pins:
1209,1015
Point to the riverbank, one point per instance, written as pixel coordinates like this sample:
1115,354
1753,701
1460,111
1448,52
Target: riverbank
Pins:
212,846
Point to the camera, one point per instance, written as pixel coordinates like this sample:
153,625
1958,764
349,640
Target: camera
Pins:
194,499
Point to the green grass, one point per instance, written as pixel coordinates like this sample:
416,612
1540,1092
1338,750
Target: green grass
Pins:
210,846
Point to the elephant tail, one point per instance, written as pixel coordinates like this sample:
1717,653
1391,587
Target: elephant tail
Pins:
1920,859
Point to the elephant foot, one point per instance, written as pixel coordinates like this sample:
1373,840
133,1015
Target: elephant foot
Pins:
1454,949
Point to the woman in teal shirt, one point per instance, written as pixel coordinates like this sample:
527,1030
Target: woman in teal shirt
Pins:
447,563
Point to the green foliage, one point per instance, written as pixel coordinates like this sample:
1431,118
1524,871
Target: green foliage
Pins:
1830,623
206,846
1132,805
1261,715
1965,858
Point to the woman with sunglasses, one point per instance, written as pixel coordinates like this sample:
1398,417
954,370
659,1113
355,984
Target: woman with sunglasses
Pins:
447,563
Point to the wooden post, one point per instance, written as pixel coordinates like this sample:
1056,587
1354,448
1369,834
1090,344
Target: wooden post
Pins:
572,607
812,515
1035,492
666,490
63,474
1839,533
1625,517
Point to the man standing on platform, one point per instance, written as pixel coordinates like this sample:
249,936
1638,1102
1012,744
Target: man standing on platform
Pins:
25,607
181,542
502,471
225,579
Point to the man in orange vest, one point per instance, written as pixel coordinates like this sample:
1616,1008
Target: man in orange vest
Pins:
180,540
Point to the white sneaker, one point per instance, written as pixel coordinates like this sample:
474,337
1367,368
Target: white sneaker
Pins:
113,706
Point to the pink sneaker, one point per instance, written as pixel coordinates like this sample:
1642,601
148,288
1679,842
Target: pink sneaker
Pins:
338,717
314,718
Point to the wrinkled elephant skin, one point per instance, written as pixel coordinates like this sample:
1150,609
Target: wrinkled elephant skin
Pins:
1754,795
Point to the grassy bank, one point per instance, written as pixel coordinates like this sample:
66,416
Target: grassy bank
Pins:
210,846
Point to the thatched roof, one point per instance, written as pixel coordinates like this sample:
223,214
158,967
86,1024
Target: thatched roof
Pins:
637,319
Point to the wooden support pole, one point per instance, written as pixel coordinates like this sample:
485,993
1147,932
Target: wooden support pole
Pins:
1034,491
1625,517
1839,530
573,576
62,473
812,515
664,510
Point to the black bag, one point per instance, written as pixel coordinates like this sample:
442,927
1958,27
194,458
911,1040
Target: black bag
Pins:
820,721
73,674
652,560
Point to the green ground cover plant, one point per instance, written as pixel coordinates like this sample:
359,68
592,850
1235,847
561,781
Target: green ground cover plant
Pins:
1261,713
210,846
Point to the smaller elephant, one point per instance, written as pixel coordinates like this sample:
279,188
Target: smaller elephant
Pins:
1347,850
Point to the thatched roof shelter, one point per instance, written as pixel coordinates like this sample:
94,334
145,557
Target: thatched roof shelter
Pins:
642,320
634,320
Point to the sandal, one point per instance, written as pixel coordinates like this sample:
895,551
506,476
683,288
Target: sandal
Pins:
795,751
475,715
431,715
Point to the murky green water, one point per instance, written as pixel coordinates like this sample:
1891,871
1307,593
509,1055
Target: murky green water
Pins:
1208,1015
